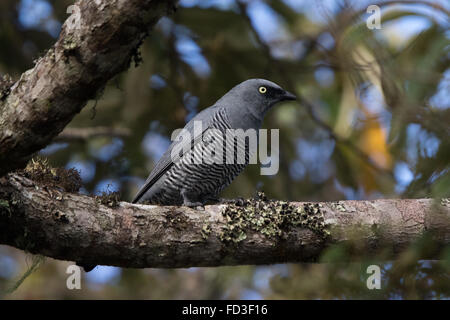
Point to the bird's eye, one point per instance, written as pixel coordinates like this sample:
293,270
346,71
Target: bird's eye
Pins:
262,89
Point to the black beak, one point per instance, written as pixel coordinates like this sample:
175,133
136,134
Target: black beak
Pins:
288,96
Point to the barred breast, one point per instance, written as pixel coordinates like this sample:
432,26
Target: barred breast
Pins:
197,178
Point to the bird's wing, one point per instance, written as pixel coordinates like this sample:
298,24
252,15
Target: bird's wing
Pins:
166,161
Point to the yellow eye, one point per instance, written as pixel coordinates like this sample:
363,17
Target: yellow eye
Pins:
262,89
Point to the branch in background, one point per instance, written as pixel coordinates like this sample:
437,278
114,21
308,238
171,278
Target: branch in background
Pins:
90,51
434,5
357,151
84,134
69,226
307,104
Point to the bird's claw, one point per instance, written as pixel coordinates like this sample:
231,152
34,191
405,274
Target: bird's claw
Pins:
195,205
238,201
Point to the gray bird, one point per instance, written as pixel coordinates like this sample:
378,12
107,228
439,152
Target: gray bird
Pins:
177,181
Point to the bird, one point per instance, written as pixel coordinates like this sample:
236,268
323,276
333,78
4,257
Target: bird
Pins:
177,181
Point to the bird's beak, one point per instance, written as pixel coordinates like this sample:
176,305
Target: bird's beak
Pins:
288,96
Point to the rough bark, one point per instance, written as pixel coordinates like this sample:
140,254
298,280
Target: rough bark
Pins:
87,54
79,228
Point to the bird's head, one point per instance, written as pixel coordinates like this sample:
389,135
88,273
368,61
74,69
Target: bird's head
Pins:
257,95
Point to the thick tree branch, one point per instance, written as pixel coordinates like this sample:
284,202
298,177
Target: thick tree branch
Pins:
99,41
79,228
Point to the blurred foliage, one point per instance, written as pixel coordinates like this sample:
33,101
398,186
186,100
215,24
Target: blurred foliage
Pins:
378,128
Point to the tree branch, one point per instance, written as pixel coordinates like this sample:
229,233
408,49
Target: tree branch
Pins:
90,51
79,228
84,134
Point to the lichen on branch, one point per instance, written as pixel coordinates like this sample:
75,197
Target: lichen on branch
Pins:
271,218
40,171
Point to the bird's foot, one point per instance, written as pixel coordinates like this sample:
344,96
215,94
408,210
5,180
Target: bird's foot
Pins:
224,201
196,205
238,201
230,200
